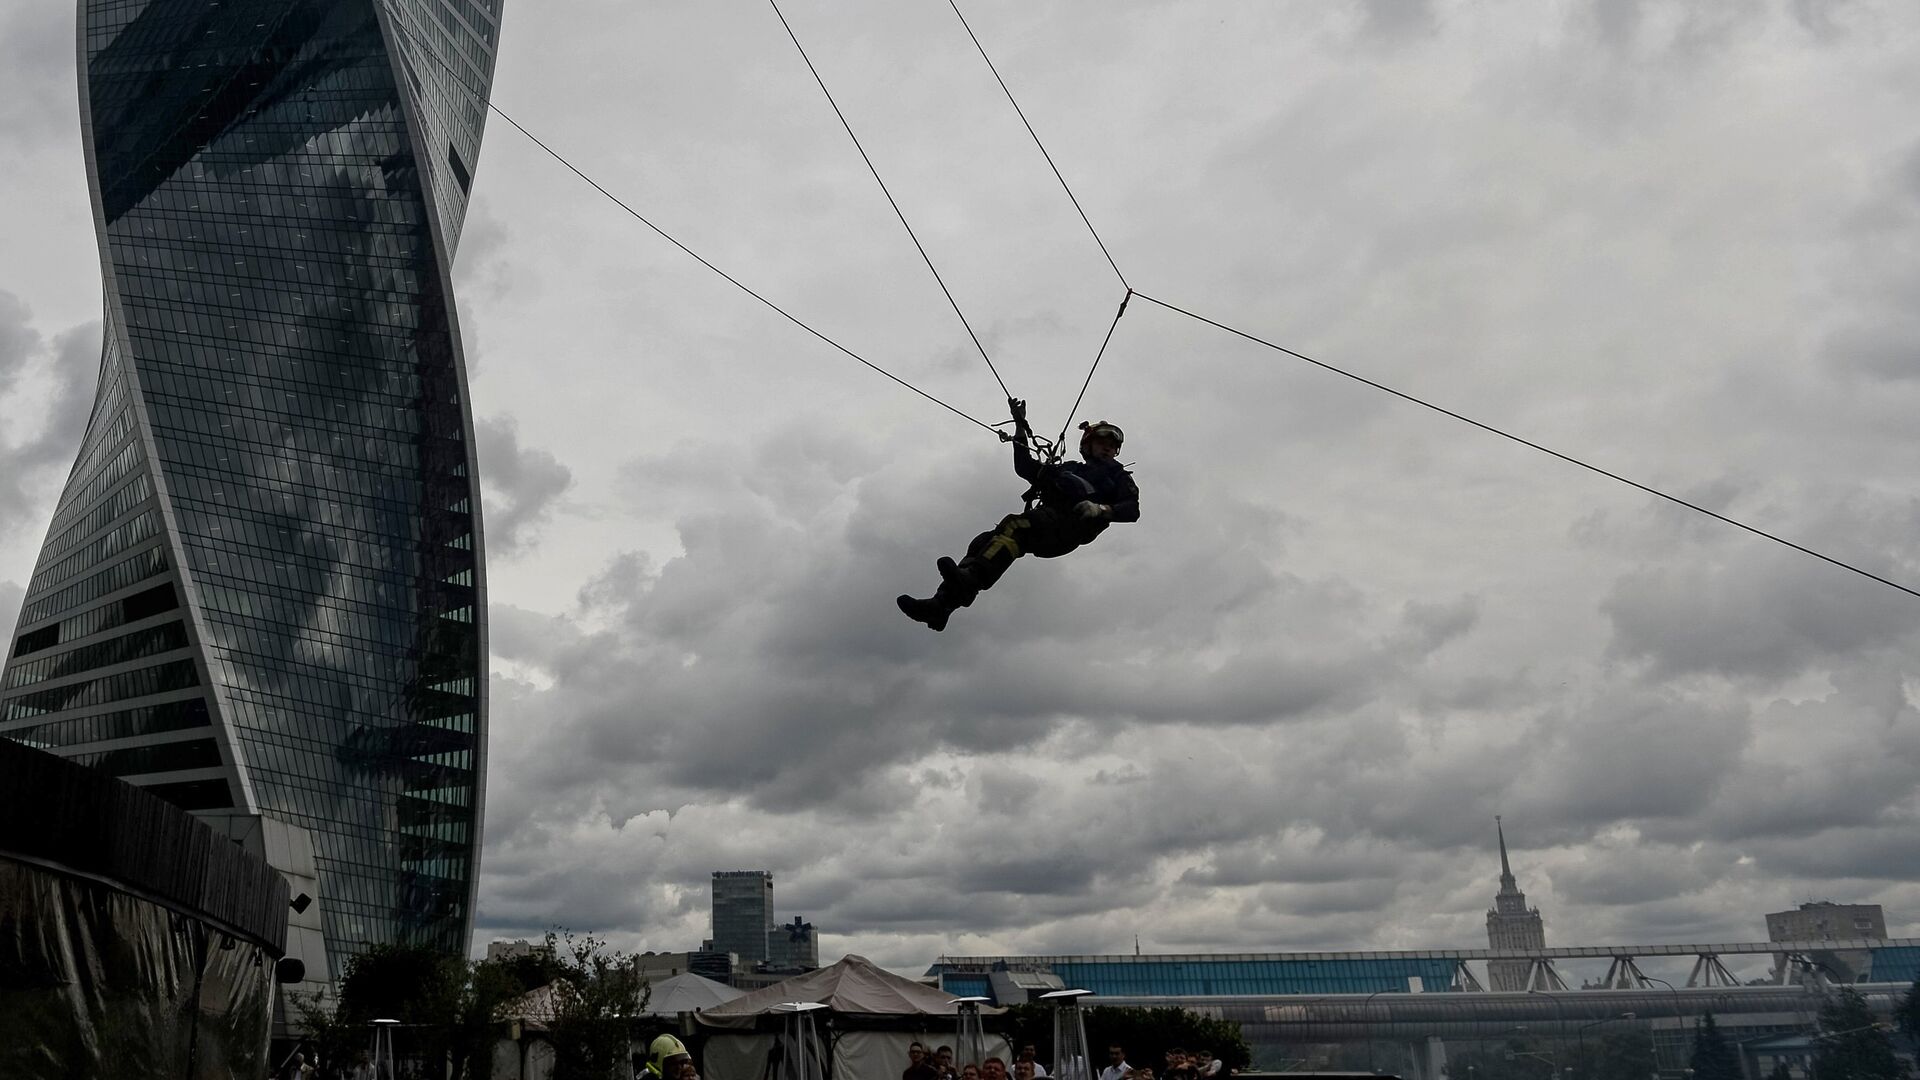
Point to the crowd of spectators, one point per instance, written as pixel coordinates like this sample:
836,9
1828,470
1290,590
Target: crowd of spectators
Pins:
939,1064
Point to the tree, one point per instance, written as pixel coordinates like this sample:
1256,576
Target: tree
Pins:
1623,1055
445,1006
1146,1034
1714,1058
1853,1045
1907,1013
597,1005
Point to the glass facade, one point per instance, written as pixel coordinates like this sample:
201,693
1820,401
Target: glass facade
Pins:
1896,964
263,589
743,914
1148,976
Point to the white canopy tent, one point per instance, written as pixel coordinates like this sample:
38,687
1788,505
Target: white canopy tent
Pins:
871,1016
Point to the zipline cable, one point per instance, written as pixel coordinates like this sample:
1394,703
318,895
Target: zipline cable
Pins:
1062,440
696,256
1043,151
890,200
1256,339
1568,458
1072,198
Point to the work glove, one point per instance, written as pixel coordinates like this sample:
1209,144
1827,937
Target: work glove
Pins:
1018,409
1093,511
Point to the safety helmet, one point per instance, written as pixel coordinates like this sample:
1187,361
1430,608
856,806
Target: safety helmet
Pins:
1101,429
665,1049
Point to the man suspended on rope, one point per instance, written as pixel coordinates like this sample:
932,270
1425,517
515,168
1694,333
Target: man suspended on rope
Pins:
1072,502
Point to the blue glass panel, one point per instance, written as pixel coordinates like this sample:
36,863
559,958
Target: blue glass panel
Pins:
1897,965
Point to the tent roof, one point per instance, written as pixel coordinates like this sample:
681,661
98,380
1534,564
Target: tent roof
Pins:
688,992
854,986
682,993
535,1005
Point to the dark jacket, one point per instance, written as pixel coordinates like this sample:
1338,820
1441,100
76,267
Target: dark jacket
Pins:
1064,484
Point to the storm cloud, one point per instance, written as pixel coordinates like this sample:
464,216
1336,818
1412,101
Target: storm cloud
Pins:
1281,710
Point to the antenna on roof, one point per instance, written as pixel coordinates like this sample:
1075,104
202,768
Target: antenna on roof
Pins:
1136,944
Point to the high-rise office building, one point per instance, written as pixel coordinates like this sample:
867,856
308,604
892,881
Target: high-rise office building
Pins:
742,915
1511,925
262,593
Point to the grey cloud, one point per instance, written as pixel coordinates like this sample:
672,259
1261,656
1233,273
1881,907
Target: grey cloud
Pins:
1398,20
1887,350
1848,760
1634,872
530,479
781,621
1820,18
66,368
1756,615
36,51
1343,636
11,594
1632,755
19,342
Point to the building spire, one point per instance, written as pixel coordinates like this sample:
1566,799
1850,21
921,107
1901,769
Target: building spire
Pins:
1507,884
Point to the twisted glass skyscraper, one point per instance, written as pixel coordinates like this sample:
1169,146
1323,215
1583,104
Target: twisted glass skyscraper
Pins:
263,589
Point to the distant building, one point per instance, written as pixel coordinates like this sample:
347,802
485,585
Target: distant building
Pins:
1511,924
506,950
1824,920
794,947
656,966
742,914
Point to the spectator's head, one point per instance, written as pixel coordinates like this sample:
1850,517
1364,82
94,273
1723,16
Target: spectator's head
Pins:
1176,1057
1143,1072
1027,1052
993,1069
1203,1058
969,1071
1023,1069
916,1053
944,1056
1116,1055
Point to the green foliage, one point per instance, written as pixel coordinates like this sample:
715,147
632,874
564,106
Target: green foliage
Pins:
1907,1013
1854,1046
1714,1058
597,1003
451,1011
1145,1034
430,993
1621,1054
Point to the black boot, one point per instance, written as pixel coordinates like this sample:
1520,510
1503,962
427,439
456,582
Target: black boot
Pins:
932,612
957,586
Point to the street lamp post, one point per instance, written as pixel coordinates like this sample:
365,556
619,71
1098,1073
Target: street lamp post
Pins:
1560,1023
1679,1018
1585,1065
1551,1063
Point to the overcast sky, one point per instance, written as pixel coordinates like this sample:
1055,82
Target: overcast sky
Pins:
1280,712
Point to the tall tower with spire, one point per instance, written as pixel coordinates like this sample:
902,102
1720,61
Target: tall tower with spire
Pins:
1511,924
